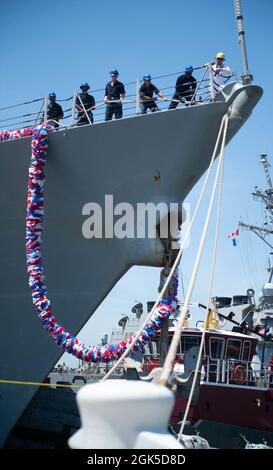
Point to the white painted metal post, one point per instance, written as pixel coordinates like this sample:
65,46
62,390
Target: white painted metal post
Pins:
247,372
193,98
212,91
73,108
223,371
137,96
218,371
45,111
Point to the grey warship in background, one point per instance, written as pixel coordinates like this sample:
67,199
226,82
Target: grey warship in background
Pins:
244,311
150,158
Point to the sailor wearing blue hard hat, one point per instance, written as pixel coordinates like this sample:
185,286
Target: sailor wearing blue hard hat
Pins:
114,94
84,86
85,103
114,73
184,88
146,93
54,111
147,77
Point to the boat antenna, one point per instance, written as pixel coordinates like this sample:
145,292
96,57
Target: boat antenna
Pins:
246,77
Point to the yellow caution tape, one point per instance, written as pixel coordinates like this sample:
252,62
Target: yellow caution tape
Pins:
18,382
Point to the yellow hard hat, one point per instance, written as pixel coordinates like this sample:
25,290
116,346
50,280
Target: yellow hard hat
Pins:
220,55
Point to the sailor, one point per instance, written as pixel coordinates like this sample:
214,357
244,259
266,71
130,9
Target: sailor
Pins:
146,93
114,94
184,89
219,74
85,103
54,111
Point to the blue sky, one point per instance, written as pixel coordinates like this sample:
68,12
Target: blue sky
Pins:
56,45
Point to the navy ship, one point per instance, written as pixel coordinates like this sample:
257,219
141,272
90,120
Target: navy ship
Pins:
152,158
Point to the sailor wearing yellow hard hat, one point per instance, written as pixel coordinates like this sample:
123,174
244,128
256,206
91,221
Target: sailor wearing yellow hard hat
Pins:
220,56
219,74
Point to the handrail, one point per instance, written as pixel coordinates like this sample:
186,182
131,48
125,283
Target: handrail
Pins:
21,104
221,371
131,104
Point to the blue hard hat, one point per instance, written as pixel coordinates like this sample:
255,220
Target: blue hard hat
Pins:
51,94
114,73
189,68
147,76
84,84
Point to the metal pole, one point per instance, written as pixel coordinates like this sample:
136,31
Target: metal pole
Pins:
223,371
218,371
197,88
207,375
137,97
264,341
246,77
212,91
45,112
73,108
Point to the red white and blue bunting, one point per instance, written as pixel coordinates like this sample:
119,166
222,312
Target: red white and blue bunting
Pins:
17,134
34,229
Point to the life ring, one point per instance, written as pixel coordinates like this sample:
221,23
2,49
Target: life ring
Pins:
239,374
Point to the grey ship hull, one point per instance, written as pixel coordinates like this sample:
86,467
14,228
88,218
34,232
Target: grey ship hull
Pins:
153,158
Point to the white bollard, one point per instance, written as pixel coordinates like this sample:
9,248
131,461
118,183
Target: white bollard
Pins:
121,414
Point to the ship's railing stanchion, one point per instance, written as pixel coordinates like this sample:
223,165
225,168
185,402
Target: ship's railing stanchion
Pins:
45,111
137,97
247,373
212,91
73,108
223,378
198,86
218,371
38,114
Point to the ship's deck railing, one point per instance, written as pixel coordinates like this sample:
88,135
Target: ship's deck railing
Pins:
86,375
32,112
235,372
226,371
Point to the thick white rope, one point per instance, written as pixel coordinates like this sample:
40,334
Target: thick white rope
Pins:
216,238
183,243
168,365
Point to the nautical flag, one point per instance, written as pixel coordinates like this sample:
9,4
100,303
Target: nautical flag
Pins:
233,236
